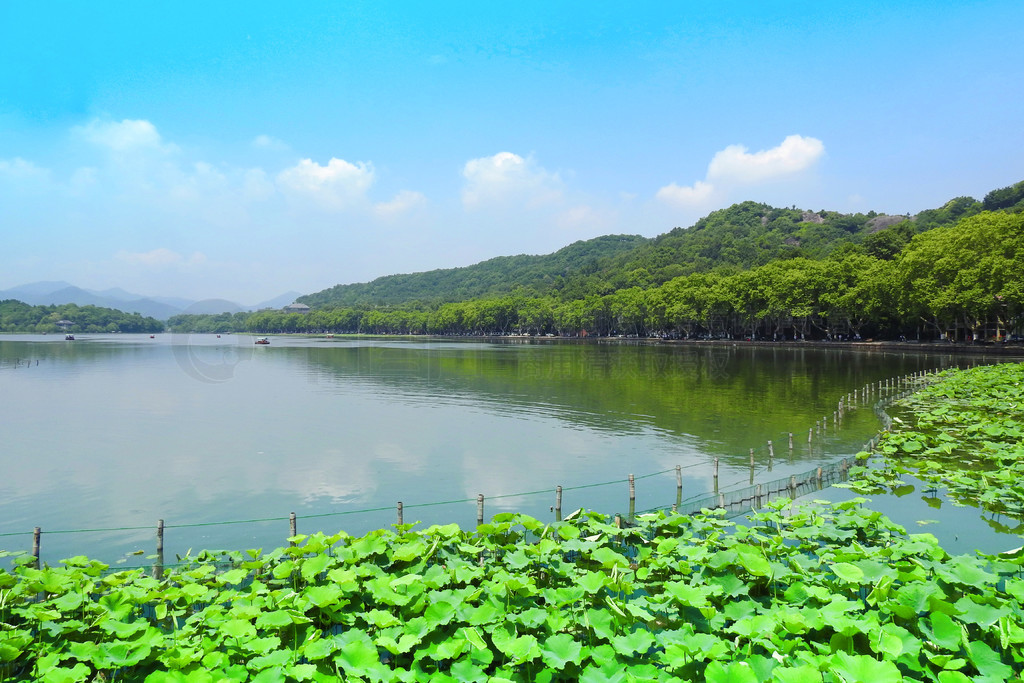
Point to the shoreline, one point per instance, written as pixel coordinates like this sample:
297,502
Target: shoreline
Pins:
958,348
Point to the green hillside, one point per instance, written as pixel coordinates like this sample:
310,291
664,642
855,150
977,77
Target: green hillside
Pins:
16,316
747,272
536,274
744,236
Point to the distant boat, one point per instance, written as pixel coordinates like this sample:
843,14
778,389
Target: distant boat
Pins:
262,340
69,337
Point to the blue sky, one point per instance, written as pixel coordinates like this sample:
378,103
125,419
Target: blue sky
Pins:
243,149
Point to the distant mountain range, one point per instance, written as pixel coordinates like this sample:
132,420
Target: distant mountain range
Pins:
159,307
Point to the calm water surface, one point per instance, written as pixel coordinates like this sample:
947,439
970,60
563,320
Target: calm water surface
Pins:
119,431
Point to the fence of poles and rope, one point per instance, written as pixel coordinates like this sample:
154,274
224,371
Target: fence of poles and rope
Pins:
734,498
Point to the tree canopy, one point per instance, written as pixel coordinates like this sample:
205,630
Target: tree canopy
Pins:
749,271
16,316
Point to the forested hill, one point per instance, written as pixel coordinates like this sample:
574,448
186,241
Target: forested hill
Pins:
17,316
495,276
743,236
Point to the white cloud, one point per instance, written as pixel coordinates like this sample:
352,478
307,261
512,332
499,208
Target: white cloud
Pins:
587,219
337,185
735,165
201,182
268,142
125,136
403,202
696,195
256,185
20,169
83,180
160,258
508,178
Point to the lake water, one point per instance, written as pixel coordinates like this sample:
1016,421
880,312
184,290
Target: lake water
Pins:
110,433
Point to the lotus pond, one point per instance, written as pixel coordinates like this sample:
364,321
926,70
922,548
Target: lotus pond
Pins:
819,591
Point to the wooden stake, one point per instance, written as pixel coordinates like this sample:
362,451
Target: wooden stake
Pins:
159,536
479,509
679,477
36,533
632,488
292,526
401,515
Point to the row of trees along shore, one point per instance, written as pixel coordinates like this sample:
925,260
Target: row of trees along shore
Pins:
16,316
963,281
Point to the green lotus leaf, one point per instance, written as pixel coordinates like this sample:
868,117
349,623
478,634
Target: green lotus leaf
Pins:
440,612
864,669
561,649
79,672
275,619
357,654
988,661
732,672
270,675
323,595
797,674
518,648
612,672
983,615
238,628
232,576
633,642
593,582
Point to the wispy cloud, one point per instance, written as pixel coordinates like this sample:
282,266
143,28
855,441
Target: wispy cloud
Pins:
269,142
508,178
20,169
693,195
160,258
337,185
125,136
403,202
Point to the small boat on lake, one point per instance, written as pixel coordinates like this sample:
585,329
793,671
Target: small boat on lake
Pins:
262,340
69,337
